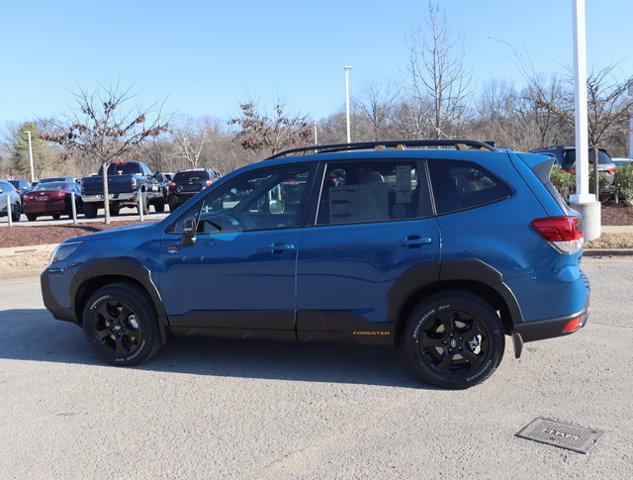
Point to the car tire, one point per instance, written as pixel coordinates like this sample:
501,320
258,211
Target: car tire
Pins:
454,339
56,217
159,206
30,217
115,211
90,210
16,213
120,322
172,205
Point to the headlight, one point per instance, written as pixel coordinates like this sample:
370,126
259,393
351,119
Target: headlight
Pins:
63,251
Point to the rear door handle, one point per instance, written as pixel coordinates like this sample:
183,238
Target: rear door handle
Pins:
414,241
280,247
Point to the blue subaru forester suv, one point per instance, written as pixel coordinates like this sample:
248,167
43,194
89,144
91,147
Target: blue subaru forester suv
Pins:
440,247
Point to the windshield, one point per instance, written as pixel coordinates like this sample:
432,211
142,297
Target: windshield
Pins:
122,169
603,157
51,186
194,176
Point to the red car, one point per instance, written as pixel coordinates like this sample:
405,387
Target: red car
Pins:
51,198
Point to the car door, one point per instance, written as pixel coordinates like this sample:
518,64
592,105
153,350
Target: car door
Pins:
239,275
374,238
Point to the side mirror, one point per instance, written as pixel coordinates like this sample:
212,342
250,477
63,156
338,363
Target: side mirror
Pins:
276,207
189,232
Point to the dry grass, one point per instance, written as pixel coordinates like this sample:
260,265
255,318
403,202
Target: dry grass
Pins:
612,240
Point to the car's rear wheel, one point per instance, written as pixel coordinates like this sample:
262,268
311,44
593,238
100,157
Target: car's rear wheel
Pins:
30,217
173,205
90,210
115,211
120,322
454,339
159,206
16,214
56,217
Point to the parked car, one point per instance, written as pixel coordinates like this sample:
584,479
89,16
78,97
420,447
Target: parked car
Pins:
51,198
21,185
56,179
125,180
621,162
9,195
440,252
566,158
187,183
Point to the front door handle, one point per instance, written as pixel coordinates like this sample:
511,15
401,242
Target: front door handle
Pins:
414,241
281,247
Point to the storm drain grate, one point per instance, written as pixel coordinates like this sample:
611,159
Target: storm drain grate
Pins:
559,434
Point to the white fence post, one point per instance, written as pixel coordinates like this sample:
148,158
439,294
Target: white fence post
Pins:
74,207
141,205
9,210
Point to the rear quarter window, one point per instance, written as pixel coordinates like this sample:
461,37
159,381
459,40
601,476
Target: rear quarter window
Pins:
461,185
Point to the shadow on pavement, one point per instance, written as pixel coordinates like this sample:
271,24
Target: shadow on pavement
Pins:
34,335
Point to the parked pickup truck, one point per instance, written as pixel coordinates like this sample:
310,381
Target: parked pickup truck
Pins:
125,180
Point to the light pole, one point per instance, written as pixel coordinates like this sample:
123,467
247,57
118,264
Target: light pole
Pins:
347,68
316,137
631,123
28,134
582,200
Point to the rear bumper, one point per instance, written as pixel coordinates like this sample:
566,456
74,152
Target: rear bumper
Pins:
530,332
49,207
124,197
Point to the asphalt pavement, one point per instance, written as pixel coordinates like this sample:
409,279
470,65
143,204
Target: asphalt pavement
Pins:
204,408
126,214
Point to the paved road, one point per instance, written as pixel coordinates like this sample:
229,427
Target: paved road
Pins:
210,409
126,214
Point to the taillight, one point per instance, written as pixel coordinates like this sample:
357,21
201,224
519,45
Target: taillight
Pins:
61,194
611,170
208,182
573,325
563,233
172,186
27,198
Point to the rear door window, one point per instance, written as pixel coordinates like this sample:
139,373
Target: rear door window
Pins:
375,191
191,177
461,185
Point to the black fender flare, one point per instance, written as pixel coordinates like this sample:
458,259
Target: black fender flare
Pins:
122,267
465,269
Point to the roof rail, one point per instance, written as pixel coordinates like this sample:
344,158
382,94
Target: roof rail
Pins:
397,144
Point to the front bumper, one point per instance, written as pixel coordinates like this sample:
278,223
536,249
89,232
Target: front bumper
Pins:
51,303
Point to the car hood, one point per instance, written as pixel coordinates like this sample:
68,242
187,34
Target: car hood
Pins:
114,232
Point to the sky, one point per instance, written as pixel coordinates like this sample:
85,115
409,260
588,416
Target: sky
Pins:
204,57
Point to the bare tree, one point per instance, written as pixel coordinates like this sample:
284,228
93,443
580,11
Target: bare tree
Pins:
376,104
438,80
104,127
272,133
190,138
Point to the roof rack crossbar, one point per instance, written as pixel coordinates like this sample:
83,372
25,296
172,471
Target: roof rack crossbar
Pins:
399,144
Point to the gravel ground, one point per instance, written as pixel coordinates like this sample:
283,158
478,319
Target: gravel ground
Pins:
215,409
617,214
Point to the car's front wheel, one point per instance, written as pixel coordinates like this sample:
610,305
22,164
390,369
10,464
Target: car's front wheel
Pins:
120,322
454,339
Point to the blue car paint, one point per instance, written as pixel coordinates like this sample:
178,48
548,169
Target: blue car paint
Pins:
344,272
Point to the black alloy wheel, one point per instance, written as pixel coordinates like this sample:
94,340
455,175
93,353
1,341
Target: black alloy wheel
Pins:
454,339
117,327
120,322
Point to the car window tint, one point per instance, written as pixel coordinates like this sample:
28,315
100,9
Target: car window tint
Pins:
461,185
375,191
191,176
261,200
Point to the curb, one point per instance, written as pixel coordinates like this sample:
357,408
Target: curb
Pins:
608,252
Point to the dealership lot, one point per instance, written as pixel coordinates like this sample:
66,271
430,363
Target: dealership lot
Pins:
206,408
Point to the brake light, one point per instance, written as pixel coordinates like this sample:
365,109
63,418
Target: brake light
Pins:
208,182
611,170
61,194
563,233
27,198
573,325
172,186
571,170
